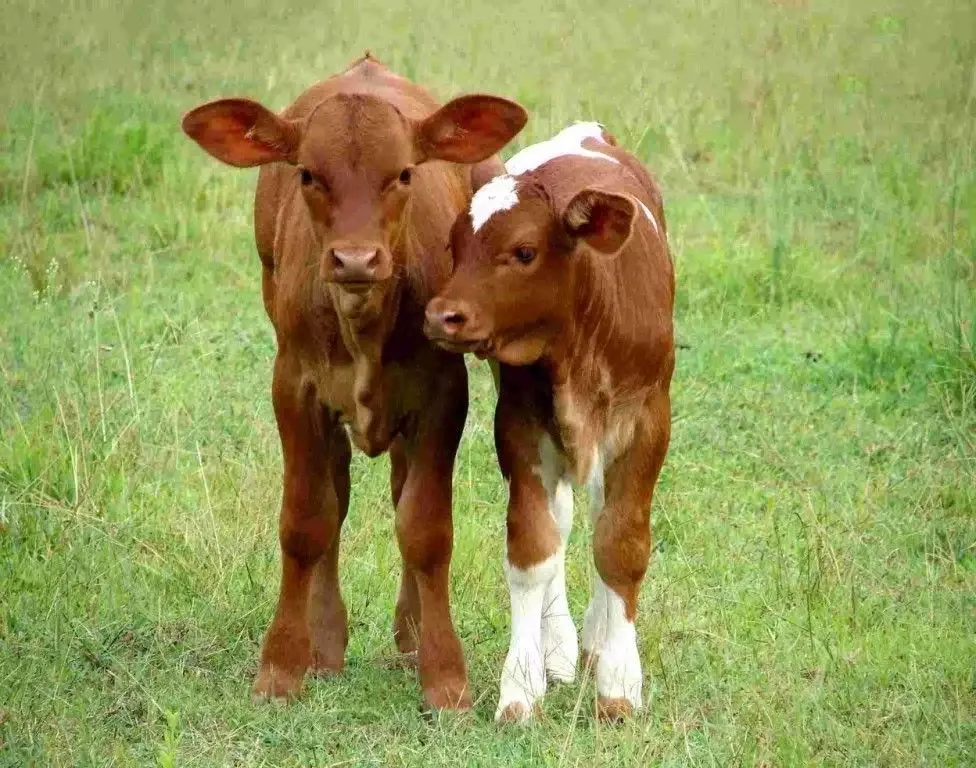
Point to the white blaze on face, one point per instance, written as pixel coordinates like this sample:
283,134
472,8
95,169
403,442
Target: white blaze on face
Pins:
497,195
500,194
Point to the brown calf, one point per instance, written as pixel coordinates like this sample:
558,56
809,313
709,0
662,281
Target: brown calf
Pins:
563,274
351,221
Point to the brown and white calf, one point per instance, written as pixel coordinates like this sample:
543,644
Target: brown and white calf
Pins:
351,221
562,273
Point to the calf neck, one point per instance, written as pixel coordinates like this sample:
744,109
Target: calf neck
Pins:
563,274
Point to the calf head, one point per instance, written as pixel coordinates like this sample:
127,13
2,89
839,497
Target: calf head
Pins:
354,157
516,261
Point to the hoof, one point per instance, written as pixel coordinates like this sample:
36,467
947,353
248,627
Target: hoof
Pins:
324,667
613,710
400,661
448,697
276,684
515,713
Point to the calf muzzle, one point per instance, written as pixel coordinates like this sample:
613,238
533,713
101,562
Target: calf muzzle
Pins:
352,265
450,324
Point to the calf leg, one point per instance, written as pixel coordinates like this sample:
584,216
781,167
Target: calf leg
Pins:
621,549
311,514
425,535
540,512
406,617
325,611
560,647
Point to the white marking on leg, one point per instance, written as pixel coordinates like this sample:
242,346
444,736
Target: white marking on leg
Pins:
559,642
608,635
593,619
569,141
524,674
618,666
497,195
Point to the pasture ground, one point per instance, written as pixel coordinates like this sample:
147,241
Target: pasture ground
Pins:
811,594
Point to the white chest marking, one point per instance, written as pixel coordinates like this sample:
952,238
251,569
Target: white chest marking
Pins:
497,195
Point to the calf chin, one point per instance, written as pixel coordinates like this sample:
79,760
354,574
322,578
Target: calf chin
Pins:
522,351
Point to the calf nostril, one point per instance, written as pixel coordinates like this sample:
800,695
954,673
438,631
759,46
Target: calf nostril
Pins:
454,319
336,259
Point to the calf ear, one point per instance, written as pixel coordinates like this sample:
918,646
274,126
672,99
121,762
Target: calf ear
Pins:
469,129
604,220
242,133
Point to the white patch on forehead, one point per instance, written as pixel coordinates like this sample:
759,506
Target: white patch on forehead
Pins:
650,216
497,195
569,141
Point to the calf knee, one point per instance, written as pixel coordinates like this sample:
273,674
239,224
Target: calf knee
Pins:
306,537
424,543
532,535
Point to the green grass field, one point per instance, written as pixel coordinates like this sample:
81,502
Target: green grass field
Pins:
812,595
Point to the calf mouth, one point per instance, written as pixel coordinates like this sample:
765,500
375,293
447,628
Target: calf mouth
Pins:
356,286
479,346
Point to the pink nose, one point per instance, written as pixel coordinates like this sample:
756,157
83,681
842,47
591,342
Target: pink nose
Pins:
446,318
354,264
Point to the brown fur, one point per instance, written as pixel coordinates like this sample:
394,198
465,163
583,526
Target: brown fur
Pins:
350,223
584,334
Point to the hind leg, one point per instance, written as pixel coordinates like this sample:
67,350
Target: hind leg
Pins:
621,550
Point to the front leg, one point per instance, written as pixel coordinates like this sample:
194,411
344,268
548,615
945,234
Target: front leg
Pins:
325,611
406,616
425,534
316,456
540,514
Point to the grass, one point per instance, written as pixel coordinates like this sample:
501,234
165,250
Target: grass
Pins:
811,596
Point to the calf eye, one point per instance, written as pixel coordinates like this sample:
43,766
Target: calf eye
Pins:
524,254
306,176
405,175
